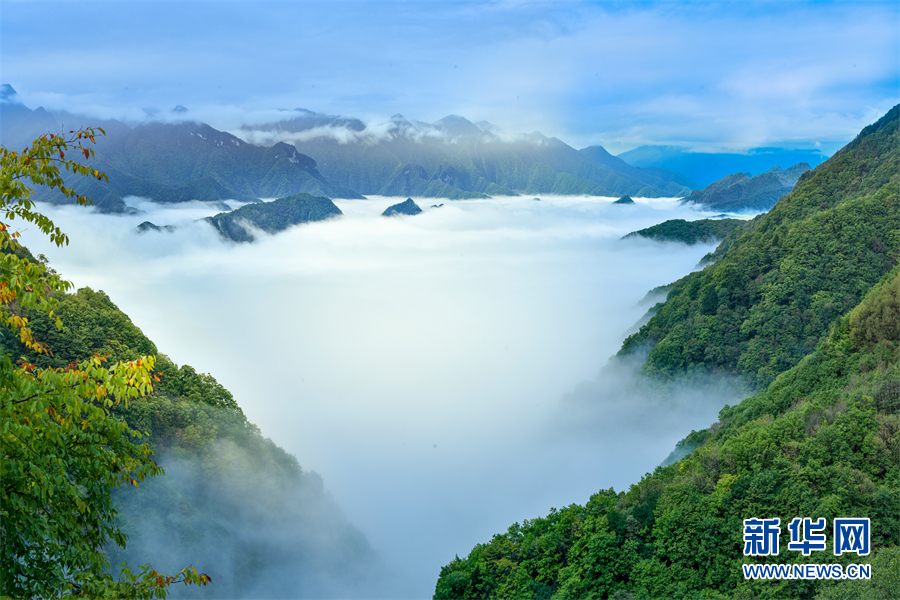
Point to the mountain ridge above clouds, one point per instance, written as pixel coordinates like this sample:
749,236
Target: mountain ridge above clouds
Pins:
332,156
455,158
169,162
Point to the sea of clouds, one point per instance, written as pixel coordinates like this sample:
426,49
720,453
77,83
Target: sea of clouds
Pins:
441,372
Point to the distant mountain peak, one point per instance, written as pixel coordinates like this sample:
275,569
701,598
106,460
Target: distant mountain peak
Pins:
455,119
407,207
179,109
8,94
708,167
536,137
742,191
458,126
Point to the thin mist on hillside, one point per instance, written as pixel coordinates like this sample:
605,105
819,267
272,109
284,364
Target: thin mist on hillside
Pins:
257,531
417,363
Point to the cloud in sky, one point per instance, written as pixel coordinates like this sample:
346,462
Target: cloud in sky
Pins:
734,75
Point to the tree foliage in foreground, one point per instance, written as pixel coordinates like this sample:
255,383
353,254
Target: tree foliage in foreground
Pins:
62,450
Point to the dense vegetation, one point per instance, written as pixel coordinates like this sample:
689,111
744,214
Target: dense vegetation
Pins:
689,232
62,451
741,191
770,296
73,431
822,441
273,217
804,302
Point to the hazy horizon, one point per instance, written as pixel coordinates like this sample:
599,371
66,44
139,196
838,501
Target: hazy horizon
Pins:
704,76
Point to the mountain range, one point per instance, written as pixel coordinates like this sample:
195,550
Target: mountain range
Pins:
331,156
707,167
170,162
742,191
455,158
342,157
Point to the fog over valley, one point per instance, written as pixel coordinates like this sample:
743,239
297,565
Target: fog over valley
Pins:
439,371
449,299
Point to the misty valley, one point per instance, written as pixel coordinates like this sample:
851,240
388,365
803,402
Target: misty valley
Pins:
416,363
548,374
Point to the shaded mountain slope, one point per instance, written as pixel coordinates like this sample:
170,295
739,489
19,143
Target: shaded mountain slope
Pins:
407,207
650,175
231,503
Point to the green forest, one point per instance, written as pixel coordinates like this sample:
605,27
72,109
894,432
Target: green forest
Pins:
802,304
689,232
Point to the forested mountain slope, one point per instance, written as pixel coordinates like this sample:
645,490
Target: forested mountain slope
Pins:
805,303
689,232
274,216
232,503
771,295
822,441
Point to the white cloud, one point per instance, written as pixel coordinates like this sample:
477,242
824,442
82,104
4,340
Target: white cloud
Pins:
586,74
416,363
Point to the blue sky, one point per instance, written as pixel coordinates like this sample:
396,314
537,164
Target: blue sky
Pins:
726,76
